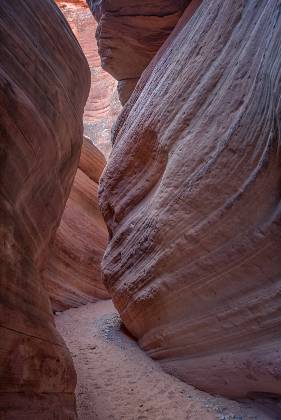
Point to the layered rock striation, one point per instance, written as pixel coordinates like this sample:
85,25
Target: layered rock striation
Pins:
44,83
191,197
130,33
103,106
73,271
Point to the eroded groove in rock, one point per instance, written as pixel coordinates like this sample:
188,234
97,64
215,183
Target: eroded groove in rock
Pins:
73,274
193,264
103,106
130,33
44,83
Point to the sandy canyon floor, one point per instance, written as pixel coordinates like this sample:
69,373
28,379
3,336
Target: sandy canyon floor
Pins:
117,381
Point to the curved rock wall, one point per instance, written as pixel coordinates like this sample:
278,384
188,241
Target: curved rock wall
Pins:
73,274
130,33
103,106
191,197
44,83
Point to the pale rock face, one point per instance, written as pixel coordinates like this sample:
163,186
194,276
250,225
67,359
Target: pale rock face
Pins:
191,197
130,33
44,83
103,106
73,271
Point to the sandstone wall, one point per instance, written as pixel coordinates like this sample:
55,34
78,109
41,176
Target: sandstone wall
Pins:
102,106
44,83
73,270
130,33
191,197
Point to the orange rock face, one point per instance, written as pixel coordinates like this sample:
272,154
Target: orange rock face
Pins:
103,105
191,197
44,83
73,273
130,33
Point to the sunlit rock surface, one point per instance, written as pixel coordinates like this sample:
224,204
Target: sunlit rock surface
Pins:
73,273
44,83
191,197
103,106
130,33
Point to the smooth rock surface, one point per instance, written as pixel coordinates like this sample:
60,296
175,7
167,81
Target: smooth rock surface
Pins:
103,106
191,197
130,33
73,271
44,83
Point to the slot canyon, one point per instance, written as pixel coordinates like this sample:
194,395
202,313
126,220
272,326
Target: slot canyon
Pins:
140,204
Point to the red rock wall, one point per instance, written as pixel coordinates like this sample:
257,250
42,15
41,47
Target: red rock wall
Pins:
103,106
44,83
130,33
191,197
73,271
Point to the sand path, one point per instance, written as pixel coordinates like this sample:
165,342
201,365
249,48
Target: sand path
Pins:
117,381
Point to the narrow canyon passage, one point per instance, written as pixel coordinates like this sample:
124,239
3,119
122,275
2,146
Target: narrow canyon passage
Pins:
116,380
140,187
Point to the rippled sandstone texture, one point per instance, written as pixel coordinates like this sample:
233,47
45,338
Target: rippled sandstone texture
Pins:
44,83
130,33
73,273
191,197
103,106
